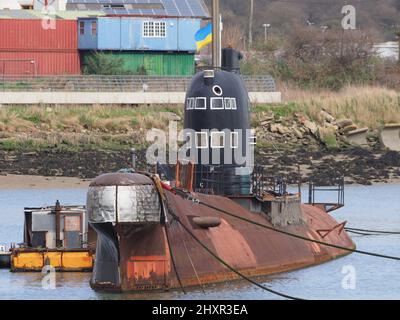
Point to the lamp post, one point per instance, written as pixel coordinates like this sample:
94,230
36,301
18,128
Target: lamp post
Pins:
266,26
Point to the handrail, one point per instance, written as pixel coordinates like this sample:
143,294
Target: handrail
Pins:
127,83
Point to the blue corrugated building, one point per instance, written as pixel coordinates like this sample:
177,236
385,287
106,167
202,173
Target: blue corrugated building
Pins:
137,33
146,34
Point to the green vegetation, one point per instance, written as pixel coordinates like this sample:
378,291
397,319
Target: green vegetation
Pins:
281,110
104,64
78,128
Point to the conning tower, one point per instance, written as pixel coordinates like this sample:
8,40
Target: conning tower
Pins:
217,120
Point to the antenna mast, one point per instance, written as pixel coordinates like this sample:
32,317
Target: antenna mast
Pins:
216,34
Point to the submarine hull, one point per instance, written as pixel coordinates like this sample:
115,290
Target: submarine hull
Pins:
146,265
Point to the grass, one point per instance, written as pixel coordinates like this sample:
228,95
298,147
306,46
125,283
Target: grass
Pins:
80,127
366,106
121,127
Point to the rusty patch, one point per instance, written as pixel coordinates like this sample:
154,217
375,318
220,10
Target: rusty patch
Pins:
121,179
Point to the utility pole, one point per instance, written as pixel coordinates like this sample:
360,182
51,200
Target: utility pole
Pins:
216,34
251,23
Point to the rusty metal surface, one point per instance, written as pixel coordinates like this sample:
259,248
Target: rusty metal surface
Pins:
145,258
253,250
207,222
121,179
145,262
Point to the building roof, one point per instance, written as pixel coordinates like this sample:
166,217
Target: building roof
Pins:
159,8
36,14
10,5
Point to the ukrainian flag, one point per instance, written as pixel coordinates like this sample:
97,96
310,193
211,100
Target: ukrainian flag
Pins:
204,36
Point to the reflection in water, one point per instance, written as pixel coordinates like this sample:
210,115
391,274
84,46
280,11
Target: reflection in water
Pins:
375,207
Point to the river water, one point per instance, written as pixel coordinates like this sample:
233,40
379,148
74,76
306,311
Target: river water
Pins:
353,277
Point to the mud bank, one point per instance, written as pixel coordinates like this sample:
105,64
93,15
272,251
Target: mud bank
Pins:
358,166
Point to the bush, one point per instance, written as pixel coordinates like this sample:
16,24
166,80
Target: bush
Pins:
104,64
314,59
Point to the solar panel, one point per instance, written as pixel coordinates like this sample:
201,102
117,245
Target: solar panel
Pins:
175,8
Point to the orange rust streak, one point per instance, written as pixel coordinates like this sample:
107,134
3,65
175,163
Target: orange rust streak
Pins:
148,258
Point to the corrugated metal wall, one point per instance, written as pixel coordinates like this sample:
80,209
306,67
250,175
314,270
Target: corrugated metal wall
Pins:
153,63
29,34
27,48
31,63
126,33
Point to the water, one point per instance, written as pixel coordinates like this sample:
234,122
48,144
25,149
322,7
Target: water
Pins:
375,207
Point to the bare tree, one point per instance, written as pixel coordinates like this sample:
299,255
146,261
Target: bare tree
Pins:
233,35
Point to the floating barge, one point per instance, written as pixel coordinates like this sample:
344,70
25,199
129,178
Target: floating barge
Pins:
58,236
32,260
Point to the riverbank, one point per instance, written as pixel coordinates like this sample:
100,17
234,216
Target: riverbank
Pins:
308,130
12,182
358,166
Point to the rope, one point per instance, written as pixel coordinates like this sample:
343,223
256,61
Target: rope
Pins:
364,234
229,266
173,260
192,264
197,201
373,231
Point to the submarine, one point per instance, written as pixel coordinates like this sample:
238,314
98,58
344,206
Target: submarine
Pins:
219,218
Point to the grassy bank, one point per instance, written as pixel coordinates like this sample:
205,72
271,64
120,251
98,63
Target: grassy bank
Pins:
115,128
80,127
366,106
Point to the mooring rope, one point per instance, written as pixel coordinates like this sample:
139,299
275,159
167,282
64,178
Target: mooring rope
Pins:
188,196
209,251
173,260
372,232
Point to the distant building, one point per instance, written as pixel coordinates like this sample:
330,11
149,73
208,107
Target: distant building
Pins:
9,5
387,50
57,5
151,38
155,8
30,45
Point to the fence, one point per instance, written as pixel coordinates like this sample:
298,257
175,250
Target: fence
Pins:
116,84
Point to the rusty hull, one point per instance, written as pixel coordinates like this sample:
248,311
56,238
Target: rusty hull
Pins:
253,250
145,257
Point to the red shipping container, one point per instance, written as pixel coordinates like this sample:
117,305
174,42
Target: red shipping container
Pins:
31,63
31,34
28,48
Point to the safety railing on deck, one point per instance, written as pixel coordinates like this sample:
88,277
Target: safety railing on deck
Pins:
87,83
337,189
263,183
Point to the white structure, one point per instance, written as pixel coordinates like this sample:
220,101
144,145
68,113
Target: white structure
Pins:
56,5
9,4
116,97
387,50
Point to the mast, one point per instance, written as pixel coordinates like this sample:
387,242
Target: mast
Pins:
216,34
251,24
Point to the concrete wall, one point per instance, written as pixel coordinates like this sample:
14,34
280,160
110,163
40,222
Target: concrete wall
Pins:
115,97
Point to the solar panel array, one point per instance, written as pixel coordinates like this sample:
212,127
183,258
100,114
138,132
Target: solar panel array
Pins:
173,8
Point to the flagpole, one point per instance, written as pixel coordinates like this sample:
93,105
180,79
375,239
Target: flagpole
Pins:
216,34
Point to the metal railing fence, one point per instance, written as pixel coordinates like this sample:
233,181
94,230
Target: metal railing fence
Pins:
86,83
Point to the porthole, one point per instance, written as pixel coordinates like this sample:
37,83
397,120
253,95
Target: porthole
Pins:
217,90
